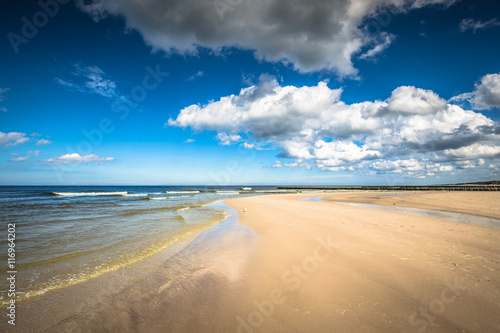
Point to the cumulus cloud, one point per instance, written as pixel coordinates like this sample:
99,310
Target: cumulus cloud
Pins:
486,94
310,35
13,139
470,24
411,100
43,142
77,158
315,128
89,80
474,151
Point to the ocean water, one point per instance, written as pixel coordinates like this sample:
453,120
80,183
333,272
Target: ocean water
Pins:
69,234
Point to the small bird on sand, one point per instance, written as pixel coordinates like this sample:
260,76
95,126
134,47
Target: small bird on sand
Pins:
244,210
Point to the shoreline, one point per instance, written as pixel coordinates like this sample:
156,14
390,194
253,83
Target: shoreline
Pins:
54,308
297,266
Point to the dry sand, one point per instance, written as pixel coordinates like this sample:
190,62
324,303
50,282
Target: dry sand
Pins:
303,266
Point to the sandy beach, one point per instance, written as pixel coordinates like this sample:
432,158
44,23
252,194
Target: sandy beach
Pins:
289,265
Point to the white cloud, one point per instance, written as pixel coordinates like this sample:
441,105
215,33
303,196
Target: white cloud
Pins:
195,76
43,142
36,152
314,126
475,150
486,94
89,80
467,164
386,40
470,24
277,164
19,159
189,141
226,139
77,158
411,100
248,145
310,35
423,3
13,139
410,167
2,92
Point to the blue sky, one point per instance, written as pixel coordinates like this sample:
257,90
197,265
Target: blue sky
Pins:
238,92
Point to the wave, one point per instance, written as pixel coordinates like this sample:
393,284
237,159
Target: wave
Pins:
135,195
182,192
181,196
227,192
89,194
182,209
246,188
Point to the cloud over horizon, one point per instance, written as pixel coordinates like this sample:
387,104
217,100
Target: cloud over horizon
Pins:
414,132
77,158
311,36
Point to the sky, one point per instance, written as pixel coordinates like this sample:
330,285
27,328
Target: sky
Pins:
226,92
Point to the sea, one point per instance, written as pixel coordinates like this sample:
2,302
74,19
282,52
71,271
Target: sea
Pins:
69,234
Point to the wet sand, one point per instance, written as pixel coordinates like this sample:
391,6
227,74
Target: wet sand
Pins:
301,266
475,203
